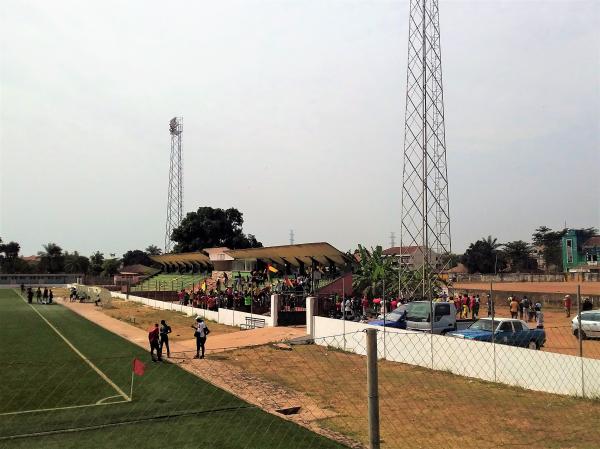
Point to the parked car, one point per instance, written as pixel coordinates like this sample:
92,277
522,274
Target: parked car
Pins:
505,331
396,318
590,324
418,317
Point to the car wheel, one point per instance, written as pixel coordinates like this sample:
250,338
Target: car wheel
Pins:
583,335
532,345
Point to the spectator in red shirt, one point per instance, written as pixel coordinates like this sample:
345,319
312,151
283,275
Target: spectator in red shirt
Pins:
365,305
567,302
153,339
472,306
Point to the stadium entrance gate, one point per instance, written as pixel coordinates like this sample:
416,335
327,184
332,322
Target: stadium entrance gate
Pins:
292,309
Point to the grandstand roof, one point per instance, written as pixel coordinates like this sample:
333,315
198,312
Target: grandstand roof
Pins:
178,259
322,252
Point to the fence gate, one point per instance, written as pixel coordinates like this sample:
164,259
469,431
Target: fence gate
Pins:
292,309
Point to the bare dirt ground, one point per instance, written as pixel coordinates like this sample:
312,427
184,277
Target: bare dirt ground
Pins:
587,288
420,408
144,317
559,333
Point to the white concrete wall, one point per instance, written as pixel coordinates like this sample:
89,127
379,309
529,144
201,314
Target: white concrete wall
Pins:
222,316
526,368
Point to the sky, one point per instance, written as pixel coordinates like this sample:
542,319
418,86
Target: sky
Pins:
293,113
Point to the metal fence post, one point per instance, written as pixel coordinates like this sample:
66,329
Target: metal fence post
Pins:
580,340
373,388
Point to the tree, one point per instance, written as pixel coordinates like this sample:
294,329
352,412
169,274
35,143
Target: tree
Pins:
136,256
96,263
373,268
9,258
586,233
483,256
52,259
518,255
110,267
153,250
550,242
209,227
75,263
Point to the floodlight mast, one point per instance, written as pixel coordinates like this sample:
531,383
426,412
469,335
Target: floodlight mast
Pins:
175,191
425,230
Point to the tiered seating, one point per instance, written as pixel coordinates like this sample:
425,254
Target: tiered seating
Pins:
170,281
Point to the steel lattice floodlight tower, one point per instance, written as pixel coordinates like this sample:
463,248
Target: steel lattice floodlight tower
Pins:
425,203
175,193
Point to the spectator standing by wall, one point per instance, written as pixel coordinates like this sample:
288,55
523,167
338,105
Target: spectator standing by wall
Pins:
514,308
567,302
540,319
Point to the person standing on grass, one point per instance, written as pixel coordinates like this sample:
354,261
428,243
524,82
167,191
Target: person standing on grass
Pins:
153,339
38,294
45,296
568,303
200,332
50,296
514,307
22,288
165,330
29,295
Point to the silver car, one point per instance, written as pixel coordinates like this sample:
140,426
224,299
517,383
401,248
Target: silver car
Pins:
590,324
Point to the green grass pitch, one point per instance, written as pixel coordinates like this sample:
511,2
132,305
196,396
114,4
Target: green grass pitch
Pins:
50,394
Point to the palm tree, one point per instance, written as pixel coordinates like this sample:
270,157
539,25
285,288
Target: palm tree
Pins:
153,250
52,259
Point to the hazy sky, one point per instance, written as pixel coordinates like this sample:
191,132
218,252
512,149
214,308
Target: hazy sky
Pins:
293,113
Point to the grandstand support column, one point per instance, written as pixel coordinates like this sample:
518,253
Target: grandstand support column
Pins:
311,303
274,309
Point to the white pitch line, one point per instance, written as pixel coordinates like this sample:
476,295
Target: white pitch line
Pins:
84,358
23,412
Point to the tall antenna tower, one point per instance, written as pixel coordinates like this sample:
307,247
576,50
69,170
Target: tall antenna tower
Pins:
425,201
175,192
291,236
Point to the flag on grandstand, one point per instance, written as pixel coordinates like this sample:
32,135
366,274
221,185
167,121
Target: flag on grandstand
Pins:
138,367
272,269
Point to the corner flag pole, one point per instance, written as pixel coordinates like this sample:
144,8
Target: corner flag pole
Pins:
131,390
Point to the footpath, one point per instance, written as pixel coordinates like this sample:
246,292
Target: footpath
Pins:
187,348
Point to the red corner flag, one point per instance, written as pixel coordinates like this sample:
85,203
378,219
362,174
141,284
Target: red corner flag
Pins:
138,367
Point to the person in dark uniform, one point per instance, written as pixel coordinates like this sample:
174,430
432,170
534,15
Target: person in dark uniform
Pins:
22,288
165,330
29,295
45,296
153,337
38,295
50,296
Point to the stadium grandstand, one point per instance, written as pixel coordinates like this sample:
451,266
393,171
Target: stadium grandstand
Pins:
181,262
